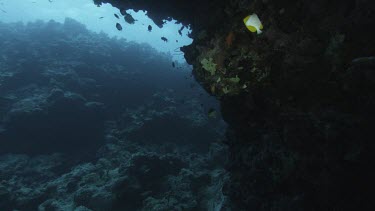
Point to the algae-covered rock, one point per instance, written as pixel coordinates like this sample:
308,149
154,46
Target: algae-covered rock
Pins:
209,66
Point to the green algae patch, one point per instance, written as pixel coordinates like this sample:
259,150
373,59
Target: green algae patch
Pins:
209,66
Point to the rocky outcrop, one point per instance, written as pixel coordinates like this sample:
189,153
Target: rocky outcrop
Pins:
299,98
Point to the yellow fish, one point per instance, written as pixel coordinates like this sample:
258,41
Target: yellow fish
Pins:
253,23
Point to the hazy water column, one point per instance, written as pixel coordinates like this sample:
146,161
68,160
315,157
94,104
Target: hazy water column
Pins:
89,14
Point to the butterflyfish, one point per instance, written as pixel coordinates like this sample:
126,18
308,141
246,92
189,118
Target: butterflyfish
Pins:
253,23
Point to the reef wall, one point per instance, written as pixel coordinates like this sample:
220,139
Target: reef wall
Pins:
299,98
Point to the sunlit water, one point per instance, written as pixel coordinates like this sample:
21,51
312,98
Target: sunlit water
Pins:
98,19
93,118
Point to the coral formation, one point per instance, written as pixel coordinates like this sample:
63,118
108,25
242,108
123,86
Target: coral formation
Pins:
299,97
301,112
93,137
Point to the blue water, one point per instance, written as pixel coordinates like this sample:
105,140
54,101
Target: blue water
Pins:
89,121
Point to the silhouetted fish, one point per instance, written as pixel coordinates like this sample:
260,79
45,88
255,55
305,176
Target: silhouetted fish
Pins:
123,11
116,16
118,26
129,18
173,65
180,30
101,17
149,28
164,39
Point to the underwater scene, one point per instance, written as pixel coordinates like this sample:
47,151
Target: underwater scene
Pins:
94,122
187,105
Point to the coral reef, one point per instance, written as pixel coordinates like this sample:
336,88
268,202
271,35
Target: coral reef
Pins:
83,128
299,98
300,113
127,176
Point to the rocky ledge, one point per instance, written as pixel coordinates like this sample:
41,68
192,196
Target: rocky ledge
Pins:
299,98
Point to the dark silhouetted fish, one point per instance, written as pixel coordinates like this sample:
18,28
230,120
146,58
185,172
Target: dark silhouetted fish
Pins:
180,30
118,26
116,16
173,65
101,17
129,18
164,39
123,11
149,28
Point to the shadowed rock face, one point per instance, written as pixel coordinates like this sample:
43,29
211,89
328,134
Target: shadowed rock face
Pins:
301,116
